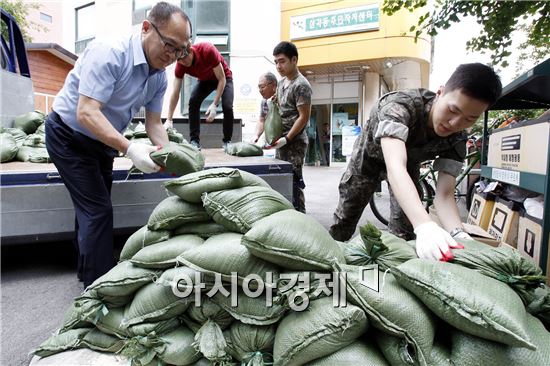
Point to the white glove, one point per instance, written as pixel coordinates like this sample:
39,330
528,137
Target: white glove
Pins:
433,242
139,154
211,113
168,124
277,144
463,235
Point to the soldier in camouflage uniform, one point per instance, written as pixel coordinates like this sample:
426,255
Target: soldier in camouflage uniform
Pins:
294,100
420,125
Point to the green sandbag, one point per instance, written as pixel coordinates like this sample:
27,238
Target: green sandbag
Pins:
250,179
122,280
111,323
191,186
163,255
251,310
471,350
156,301
376,247
35,140
223,254
29,122
251,344
73,317
33,154
395,349
468,300
139,131
41,130
294,241
68,340
184,281
8,147
18,135
244,149
144,351
273,125
359,353
179,347
208,309
238,209
174,135
102,342
320,330
394,310
140,239
204,229
293,287
208,320
156,327
507,265
173,212
179,159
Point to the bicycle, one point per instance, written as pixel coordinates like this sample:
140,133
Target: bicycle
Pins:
427,183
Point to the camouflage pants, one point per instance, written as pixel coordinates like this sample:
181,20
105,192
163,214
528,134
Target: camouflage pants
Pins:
295,153
361,179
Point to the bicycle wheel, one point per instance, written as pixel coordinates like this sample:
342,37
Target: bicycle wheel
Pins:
380,201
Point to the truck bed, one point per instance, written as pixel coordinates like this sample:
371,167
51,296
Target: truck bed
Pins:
36,206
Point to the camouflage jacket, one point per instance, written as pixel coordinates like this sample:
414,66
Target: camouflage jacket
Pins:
295,94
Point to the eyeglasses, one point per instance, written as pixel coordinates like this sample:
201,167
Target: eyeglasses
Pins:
263,86
170,48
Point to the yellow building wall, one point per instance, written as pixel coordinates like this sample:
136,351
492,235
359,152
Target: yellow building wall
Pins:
388,41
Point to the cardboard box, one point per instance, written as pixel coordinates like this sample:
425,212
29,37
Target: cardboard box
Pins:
530,237
521,147
503,224
480,235
481,210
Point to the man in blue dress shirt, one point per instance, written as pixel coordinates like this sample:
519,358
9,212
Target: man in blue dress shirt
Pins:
108,85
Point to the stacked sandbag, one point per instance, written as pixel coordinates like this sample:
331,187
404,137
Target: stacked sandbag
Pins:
137,309
18,134
29,122
243,149
226,272
293,241
323,329
466,300
395,311
374,247
33,147
8,147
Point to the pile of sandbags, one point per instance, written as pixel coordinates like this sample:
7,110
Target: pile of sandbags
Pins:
226,272
26,141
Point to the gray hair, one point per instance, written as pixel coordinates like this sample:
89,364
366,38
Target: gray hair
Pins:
270,77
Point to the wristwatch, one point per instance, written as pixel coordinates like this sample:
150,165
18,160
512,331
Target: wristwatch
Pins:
455,231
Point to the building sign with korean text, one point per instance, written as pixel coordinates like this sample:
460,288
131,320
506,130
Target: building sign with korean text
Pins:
348,20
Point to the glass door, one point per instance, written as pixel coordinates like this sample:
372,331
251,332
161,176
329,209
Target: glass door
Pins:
343,115
318,132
